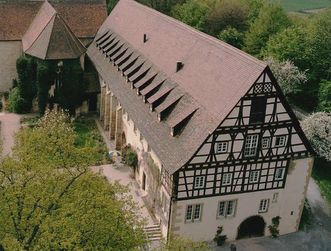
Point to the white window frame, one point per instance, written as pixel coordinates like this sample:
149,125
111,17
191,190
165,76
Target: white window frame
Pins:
226,178
199,182
265,142
226,206
264,206
251,143
192,209
222,147
282,169
282,140
275,197
254,176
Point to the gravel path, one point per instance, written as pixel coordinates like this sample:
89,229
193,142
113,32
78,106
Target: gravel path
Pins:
10,124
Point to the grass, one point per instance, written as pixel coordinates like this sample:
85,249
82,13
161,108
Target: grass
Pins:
89,135
307,216
322,175
303,5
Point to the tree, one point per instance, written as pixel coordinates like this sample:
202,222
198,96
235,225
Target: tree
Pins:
225,14
193,12
325,96
70,95
289,77
232,36
49,200
26,71
290,44
317,128
271,20
45,76
320,46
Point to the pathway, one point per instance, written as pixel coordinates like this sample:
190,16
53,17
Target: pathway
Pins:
10,124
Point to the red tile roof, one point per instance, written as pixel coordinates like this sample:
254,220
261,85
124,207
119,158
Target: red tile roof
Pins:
214,77
49,37
83,17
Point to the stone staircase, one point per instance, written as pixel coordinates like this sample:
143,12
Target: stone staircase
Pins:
153,232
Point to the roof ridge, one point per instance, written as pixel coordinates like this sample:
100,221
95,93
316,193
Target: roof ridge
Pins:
216,42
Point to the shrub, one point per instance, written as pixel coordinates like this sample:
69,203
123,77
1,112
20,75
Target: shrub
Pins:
273,228
131,158
16,102
219,238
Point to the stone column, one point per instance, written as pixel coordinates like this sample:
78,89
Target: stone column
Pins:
102,102
112,116
107,111
118,129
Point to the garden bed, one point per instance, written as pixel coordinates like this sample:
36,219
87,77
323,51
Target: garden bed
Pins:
89,135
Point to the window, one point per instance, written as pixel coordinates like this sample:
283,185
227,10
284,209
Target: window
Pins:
251,145
197,212
265,142
222,147
199,182
193,213
189,211
227,208
264,204
258,108
279,173
280,141
254,176
274,197
226,179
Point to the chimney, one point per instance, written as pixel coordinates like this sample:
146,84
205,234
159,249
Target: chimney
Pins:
179,66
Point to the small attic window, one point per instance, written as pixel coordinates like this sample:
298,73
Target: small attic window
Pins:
179,66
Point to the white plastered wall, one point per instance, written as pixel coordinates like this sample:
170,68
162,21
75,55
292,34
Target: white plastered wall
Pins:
138,142
10,51
289,207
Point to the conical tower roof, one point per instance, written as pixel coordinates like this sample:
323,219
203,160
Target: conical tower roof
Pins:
49,37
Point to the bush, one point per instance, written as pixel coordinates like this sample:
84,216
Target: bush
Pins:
273,228
219,238
324,96
16,101
131,158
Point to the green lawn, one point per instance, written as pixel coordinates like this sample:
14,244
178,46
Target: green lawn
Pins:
322,175
300,5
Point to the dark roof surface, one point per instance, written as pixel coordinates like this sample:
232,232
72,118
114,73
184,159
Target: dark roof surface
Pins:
214,78
49,37
84,17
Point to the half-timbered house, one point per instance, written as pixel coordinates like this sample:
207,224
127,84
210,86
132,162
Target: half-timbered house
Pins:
217,141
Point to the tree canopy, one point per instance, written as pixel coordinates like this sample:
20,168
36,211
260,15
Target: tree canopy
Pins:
271,19
49,200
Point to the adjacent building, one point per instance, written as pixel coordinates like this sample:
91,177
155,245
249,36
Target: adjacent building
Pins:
49,30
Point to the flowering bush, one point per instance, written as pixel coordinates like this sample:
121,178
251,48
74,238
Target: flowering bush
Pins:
317,128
